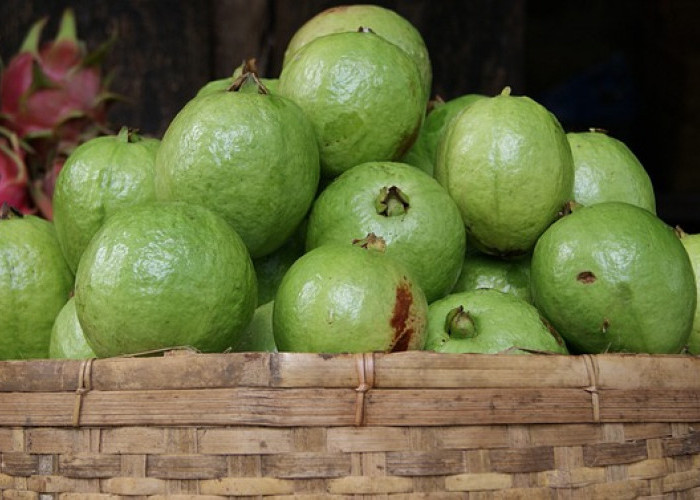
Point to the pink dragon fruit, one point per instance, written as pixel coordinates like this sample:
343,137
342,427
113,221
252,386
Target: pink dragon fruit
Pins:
14,179
54,98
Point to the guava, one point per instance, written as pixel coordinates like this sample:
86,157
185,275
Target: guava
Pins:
613,277
247,155
506,162
489,321
362,94
100,177
271,268
416,218
349,298
223,84
67,338
691,242
423,153
480,270
385,22
161,275
258,336
605,169
35,281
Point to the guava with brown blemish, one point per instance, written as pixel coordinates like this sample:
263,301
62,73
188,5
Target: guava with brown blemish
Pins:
349,298
614,277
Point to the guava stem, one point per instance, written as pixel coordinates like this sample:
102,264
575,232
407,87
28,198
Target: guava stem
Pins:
459,324
568,208
249,75
679,232
391,202
371,242
129,135
506,90
8,212
365,29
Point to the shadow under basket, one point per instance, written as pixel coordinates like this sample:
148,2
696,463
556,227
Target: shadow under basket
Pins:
404,425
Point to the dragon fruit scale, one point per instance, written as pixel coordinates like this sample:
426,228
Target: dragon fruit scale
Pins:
14,180
53,96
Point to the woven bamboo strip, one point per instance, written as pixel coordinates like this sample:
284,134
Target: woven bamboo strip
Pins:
396,370
336,407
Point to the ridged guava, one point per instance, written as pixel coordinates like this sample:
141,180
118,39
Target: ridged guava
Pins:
606,170
102,176
506,162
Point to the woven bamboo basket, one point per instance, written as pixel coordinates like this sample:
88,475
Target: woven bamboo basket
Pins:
403,425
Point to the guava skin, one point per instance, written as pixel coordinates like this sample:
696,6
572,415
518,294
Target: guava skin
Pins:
423,153
691,242
506,162
67,338
162,275
613,277
271,268
35,281
606,170
102,176
427,237
384,22
339,298
502,323
250,157
362,94
505,275
258,336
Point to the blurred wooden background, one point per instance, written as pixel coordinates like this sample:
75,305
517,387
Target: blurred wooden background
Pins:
631,67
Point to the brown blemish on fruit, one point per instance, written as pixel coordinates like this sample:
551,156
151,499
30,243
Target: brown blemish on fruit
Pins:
552,331
400,318
586,277
604,327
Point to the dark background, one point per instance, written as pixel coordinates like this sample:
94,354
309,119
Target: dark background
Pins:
630,67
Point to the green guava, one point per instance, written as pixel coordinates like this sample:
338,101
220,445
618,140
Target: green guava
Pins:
423,153
385,22
67,338
614,277
506,162
417,219
691,242
347,298
249,156
35,281
480,270
606,170
258,336
362,94
489,321
271,268
222,84
164,274
102,176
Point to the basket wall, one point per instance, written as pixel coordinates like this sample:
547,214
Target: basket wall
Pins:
415,425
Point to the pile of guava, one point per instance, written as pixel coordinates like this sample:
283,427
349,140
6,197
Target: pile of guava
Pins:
341,207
